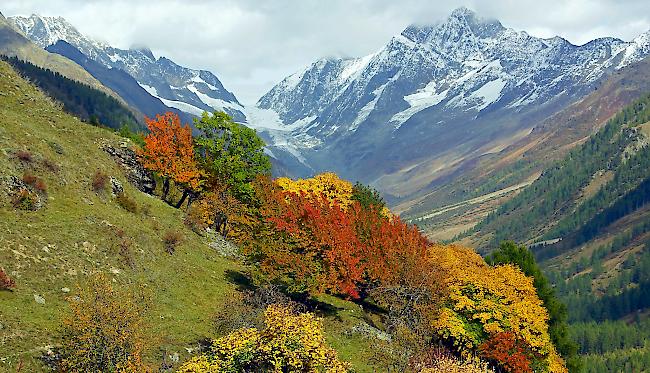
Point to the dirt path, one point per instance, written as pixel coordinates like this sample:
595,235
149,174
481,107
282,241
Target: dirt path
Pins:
473,201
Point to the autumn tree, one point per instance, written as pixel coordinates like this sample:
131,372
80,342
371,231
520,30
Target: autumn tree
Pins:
312,245
367,196
169,152
104,331
483,301
326,185
519,255
231,153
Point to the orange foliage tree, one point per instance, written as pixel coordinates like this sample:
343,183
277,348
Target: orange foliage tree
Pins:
169,152
311,244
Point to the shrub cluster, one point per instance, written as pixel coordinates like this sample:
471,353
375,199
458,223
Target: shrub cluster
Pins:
171,239
104,332
6,282
288,342
99,181
127,202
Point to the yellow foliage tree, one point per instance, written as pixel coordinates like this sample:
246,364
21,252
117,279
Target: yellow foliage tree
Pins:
288,343
328,184
483,301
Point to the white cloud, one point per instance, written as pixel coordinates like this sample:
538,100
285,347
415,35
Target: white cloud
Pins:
251,45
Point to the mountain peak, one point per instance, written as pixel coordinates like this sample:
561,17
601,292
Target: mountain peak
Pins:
463,12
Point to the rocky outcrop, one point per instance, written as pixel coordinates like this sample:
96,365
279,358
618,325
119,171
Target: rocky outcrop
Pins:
136,174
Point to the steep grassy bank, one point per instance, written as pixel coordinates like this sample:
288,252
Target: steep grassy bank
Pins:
80,231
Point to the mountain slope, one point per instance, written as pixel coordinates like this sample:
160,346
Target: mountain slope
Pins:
586,182
587,219
78,231
437,97
117,80
13,44
192,91
460,203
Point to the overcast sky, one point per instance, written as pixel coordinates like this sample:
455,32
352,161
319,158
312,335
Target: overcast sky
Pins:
251,45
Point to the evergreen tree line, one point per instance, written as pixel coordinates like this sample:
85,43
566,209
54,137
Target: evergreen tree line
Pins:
80,100
609,336
627,293
630,360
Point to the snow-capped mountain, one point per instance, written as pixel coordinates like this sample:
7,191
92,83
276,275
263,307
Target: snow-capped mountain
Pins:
436,96
189,90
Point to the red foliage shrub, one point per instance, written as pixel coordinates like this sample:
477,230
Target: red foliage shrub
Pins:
24,156
6,283
508,352
99,181
35,182
321,247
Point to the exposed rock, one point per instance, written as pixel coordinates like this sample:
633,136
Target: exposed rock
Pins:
11,186
65,290
136,174
116,186
39,299
369,331
222,245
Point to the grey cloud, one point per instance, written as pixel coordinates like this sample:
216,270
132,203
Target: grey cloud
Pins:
251,45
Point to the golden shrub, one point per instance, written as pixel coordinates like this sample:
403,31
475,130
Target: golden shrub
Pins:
483,301
104,331
289,342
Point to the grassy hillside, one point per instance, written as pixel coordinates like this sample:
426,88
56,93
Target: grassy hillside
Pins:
78,231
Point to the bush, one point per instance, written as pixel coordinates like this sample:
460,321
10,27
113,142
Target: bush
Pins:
171,239
6,282
24,156
289,342
450,364
35,182
51,165
127,203
99,181
24,200
104,331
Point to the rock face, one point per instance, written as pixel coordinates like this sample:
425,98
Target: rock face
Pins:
189,90
135,172
433,98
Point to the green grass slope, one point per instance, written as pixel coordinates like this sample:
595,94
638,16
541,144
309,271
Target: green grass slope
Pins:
78,232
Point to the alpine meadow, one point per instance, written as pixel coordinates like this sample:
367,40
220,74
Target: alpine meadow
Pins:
409,187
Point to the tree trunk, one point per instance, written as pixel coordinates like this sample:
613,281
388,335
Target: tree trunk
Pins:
192,197
180,203
165,189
